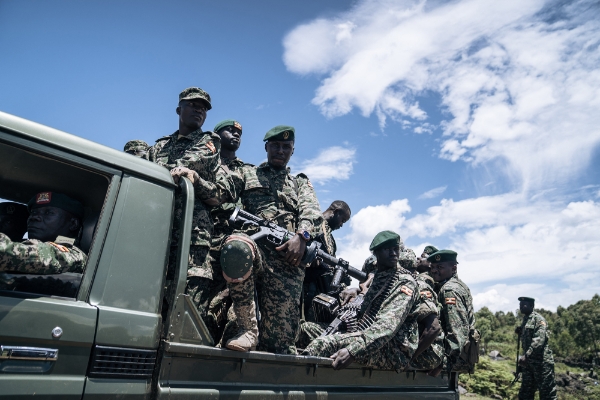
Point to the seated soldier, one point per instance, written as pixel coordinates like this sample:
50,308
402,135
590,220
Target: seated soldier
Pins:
52,226
13,220
383,337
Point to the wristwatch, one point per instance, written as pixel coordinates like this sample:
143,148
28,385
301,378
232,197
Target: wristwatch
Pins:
305,235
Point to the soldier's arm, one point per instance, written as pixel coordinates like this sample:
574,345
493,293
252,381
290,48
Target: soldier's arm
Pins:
539,338
35,257
431,331
456,321
390,318
309,216
203,157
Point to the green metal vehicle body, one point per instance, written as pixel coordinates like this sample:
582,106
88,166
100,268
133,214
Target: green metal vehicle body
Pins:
108,339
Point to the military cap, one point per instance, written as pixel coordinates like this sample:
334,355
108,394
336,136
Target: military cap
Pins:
531,299
192,93
227,122
408,259
135,145
443,256
14,209
58,200
429,250
280,132
385,239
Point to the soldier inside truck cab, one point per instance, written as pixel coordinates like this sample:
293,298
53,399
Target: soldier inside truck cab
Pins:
52,226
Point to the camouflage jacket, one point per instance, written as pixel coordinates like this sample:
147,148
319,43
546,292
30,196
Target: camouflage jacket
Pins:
456,315
199,151
391,326
229,186
534,336
41,258
272,194
406,258
324,235
428,302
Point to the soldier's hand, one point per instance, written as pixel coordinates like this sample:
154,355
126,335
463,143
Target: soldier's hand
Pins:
518,330
522,361
178,172
294,250
341,359
348,295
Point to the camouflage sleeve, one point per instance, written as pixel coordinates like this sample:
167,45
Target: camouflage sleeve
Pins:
455,320
203,157
35,257
309,211
390,318
539,337
370,265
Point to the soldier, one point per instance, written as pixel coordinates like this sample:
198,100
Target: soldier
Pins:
138,148
424,265
13,220
53,224
537,363
192,153
386,337
456,316
271,192
318,277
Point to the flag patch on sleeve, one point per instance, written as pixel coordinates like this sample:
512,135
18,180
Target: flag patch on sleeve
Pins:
426,293
211,147
451,300
406,290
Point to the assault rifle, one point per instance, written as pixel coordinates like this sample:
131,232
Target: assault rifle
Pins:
274,236
518,368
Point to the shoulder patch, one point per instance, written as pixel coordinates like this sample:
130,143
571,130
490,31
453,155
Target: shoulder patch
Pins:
406,290
426,293
451,300
211,147
542,323
60,247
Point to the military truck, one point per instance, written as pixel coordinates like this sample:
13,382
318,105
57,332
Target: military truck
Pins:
124,329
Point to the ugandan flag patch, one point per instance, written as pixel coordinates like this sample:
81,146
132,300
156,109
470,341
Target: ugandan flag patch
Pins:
60,247
542,323
211,147
426,293
406,290
451,300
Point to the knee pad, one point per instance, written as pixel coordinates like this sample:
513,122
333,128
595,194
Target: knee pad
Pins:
237,256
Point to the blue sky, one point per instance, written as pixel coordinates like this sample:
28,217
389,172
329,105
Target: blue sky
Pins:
471,125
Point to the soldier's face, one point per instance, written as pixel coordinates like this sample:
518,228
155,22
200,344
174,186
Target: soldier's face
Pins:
423,265
340,217
279,152
11,227
46,223
526,307
442,271
231,138
192,113
387,257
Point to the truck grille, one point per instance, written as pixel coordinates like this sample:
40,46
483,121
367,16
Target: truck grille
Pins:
115,362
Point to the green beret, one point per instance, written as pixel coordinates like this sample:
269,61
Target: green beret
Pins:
58,200
408,259
531,299
135,145
192,93
280,132
227,122
385,239
429,250
443,256
11,209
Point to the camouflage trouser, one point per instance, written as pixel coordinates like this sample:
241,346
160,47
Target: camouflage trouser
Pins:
309,331
279,286
201,286
430,358
538,375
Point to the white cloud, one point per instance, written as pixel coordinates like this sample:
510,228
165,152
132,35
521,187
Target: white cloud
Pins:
435,192
520,80
333,163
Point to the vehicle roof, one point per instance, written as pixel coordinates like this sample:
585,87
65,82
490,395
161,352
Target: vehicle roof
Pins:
85,148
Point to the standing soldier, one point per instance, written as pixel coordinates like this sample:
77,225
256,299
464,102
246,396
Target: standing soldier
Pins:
192,153
272,193
456,316
318,277
537,363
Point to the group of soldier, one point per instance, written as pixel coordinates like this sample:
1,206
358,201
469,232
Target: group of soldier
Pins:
414,312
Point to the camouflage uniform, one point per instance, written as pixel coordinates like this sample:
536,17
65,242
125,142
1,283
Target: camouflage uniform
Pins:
391,340
319,277
539,371
428,304
198,151
457,319
406,259
271,194
42,258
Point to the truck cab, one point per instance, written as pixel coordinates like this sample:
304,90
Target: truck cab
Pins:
124,329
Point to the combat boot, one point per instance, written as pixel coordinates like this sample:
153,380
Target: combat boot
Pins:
247,337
